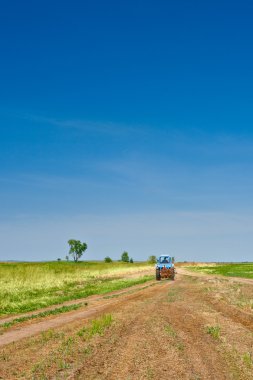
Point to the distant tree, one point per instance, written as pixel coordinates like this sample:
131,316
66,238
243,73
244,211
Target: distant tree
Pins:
58,259
131,260
67,258
76,249
108,259
125,257
152,259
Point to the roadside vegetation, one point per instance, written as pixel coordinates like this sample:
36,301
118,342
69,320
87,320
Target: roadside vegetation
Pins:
232,270
30,286
43,314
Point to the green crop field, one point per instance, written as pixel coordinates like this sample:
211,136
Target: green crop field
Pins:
30,286
233,270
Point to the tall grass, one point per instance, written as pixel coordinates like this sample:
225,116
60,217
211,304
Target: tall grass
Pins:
29,286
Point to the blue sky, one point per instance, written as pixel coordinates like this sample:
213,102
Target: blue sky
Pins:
127,125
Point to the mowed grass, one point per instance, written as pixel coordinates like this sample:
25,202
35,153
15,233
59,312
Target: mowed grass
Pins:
30,286
233,270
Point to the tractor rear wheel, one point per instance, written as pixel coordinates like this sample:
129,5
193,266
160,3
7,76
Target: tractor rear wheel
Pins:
158,275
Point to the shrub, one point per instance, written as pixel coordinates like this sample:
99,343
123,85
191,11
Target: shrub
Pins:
152,259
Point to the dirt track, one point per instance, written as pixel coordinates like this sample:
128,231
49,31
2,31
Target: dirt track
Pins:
159,332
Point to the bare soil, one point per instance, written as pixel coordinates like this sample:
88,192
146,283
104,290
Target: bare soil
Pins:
163,331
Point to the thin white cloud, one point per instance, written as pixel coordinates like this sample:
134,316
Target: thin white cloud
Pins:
184,140
52,181
110,128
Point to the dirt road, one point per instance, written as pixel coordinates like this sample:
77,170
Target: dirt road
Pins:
193,328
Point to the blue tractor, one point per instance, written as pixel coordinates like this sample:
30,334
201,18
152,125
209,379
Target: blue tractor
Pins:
165,268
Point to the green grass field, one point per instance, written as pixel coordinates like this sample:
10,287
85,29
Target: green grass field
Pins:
232,270
30,286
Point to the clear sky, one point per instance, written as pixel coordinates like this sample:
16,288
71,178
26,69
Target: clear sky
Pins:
127,125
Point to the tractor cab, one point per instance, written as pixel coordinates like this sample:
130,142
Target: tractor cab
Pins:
164,260
165,268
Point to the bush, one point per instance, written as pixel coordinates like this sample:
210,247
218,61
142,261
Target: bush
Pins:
152,259
108,259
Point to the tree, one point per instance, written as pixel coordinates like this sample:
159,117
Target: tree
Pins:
152,259
131,260
108,259
125,257
67,258
76,248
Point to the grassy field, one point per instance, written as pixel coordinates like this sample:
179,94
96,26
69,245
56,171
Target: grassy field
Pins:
30,286
232,270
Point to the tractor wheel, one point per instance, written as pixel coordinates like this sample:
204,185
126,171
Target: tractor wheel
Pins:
158,275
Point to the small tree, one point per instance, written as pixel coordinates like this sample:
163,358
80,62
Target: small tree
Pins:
125,257
152,259
131,260
108,259
76,249
67,258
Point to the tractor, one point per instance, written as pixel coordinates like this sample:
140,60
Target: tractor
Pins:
165,268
